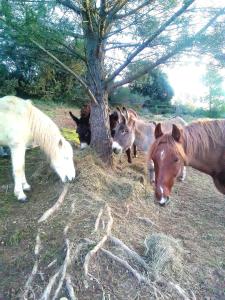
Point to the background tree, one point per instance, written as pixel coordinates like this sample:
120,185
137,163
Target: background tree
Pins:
155,87
215,96
159,31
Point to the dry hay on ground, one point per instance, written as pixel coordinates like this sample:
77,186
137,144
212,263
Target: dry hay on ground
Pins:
77,249
90,240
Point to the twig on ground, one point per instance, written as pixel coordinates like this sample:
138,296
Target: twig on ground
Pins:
56,206
147,220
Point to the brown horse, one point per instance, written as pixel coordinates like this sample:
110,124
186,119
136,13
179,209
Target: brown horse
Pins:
139,132
200,145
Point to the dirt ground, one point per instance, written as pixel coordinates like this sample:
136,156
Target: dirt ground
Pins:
195,217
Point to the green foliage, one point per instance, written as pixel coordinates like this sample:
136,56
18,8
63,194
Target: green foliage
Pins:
124,95
8,85
215,97
154,86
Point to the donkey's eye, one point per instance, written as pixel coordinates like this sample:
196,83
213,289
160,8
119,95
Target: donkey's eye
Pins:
124,131
176,159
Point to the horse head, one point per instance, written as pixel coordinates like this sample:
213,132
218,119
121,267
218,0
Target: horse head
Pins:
124,134
62,160
169,157
83,130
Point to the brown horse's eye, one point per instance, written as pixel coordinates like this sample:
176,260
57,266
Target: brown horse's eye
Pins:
176,159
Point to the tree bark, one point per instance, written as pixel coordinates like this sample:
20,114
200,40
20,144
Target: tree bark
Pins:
100,131
95,55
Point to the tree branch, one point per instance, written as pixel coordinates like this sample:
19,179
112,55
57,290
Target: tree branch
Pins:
149,40
133,11
68,69
69,4
182,46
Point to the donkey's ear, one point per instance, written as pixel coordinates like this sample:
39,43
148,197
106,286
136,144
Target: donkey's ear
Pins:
176,133
125,112
76,120
60,143
158,131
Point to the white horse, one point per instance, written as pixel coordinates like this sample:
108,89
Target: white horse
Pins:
22,124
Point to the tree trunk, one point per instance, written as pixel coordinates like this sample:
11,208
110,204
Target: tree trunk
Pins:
100,131
99,119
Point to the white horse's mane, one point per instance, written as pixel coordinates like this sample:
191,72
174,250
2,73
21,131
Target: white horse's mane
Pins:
44,131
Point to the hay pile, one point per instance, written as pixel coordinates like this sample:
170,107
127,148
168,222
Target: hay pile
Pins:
90,240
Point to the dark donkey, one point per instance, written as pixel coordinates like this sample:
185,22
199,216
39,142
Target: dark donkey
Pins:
83,127
141,133
84,130
200,145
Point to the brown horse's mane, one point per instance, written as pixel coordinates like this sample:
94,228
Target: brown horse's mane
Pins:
203,136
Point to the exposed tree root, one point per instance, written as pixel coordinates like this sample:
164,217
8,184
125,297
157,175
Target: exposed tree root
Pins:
125,264
98,219
91,253
131,253
70,288
179,290
28,285
56,206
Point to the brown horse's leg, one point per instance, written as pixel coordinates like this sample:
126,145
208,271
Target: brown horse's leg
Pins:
151,171
128,152
135,150
219,181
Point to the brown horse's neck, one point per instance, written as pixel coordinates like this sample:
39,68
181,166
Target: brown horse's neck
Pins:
203,143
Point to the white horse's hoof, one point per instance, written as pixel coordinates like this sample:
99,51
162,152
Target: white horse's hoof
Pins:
26,187
21,197
23,200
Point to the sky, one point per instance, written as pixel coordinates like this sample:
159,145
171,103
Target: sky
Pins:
186,80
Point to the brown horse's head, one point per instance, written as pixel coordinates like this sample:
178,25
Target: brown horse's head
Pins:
124,133
168,156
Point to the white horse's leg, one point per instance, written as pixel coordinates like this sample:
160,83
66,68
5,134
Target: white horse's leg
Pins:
18,160
26,186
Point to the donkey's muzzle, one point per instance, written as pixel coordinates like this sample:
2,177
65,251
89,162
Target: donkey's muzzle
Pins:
117,149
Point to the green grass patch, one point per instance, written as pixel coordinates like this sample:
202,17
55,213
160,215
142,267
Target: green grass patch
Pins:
70,135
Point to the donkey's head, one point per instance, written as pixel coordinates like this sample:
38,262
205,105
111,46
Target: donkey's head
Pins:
83,130
124,135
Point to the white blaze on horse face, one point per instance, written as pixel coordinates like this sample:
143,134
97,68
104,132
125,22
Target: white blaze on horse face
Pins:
162,155
163,199
63,164
183,174
83,145
116,147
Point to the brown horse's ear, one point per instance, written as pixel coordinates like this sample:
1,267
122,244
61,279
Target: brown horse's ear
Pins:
176,133
158,131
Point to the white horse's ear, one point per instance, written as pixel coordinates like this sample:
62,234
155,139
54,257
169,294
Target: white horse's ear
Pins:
176,133
60,143
158,131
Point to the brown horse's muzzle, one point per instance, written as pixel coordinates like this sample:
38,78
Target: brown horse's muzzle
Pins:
162,195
